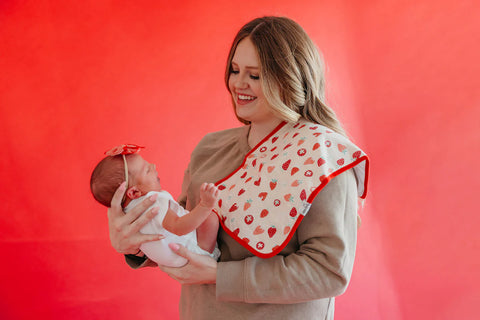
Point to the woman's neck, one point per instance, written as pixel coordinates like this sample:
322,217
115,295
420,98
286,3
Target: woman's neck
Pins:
258,131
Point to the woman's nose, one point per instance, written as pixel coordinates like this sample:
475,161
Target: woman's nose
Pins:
240,82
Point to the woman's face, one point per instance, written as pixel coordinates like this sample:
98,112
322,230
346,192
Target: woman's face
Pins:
245,87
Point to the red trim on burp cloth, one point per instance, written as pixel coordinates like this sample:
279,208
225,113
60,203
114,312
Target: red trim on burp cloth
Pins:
263,201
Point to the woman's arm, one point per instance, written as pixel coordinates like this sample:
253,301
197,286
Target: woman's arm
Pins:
124,228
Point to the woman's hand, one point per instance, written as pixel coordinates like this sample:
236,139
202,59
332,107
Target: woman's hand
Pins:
200,269
125,228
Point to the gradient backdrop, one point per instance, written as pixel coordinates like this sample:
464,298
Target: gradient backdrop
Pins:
77,77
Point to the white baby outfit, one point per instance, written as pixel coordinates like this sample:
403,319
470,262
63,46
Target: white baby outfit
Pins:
159,251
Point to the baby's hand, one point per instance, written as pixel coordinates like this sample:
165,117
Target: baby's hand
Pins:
208,194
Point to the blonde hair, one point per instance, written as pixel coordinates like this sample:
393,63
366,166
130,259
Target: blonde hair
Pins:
292,71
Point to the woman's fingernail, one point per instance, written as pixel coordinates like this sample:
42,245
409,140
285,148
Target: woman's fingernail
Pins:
174,246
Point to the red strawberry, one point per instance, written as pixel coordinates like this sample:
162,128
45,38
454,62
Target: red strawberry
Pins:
271,231
301,141
274,156
288,197
257,183
274,148
320,162
287,146
248,219
254,162
286,230
313,128
260,168
294,170
263,149
246,240
231,187
241,191
341,147
220,203
276,202
270,169
274,139
356,154
340,162
233,207
309,161
302,126
316,134
221,187
249,178
286,164
273,184
296,134
293,212
295,183
264,213
258,230
236,232
303,195
262,195
298,123
316,146
244,175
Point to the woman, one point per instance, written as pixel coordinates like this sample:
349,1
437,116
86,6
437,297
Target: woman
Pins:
275,77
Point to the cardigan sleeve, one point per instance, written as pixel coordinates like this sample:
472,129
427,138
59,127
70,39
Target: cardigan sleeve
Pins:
320,268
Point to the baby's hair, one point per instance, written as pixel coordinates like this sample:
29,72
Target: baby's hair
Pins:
106,178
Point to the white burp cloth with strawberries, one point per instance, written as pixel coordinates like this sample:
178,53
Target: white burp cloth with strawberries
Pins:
262,202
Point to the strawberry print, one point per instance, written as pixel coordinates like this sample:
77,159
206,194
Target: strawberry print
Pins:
286,164
313,128
244,175
274,139
258,230
263,149
260,168
316,134
274,148
296,134
264,213
271,231
328,143
293,212
356,155
303,195
320,162
231,187
294,170
273,184
301,141
295,183
257,182
287,146
276,202
221,187
340,162
270,169
316,146
260,245
233,207
309,161
236,232
220,203
341,147
246,240
254,162
308,173
288,197
286,230
274,156
250,178
262,195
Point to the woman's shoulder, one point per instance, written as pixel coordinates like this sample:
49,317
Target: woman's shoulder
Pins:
223,139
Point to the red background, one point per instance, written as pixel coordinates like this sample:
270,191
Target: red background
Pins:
79,77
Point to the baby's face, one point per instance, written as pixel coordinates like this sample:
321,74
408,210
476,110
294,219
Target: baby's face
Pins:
144,175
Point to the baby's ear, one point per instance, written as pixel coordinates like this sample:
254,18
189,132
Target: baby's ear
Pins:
134,193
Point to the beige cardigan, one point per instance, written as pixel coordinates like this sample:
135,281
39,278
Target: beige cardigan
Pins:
299,283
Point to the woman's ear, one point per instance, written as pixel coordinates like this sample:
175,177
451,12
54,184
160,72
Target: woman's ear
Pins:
133,193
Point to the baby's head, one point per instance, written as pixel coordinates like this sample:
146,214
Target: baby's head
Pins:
110,173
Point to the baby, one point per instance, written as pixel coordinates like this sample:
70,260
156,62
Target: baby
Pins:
196,230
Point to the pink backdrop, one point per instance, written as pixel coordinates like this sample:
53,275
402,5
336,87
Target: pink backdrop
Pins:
80,77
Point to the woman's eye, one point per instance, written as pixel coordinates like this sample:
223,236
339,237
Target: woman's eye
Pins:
234,71
254,77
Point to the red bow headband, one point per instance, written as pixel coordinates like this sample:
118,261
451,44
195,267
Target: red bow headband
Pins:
124,149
